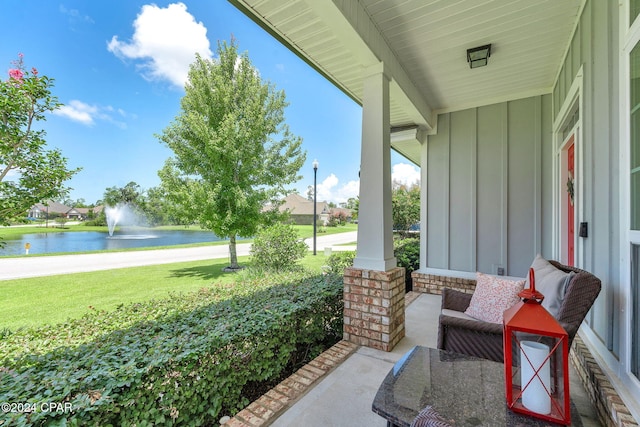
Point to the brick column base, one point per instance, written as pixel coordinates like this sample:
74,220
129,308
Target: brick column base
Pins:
374,307
433,284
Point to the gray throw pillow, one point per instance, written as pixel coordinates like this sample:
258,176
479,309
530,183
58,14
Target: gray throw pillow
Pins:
550,282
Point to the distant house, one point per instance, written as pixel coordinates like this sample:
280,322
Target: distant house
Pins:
51,208
301,210
86,212
73,214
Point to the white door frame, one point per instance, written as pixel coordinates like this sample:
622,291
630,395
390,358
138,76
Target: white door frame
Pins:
573,104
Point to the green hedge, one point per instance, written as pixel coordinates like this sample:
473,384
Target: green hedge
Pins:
179,361
338,261
407,252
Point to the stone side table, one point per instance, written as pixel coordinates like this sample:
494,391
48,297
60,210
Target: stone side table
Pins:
462,390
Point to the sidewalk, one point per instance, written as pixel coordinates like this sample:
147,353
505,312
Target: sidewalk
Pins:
22,267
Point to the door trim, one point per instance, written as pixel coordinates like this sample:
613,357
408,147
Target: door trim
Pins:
572,104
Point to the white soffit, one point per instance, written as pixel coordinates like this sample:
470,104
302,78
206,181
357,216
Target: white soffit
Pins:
430,37
320,33
423,44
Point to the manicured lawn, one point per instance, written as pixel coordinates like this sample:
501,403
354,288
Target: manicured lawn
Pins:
53,299
306,231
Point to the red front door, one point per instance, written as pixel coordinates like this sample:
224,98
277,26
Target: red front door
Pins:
570,203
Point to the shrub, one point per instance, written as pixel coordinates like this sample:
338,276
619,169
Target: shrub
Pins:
338,261
178,361
99,220
337,218
406,207
277,248
407,252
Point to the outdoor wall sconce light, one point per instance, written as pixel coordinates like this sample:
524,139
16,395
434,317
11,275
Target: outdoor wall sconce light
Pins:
536,360
478,56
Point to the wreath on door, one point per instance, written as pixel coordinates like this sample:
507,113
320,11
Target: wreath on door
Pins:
570,189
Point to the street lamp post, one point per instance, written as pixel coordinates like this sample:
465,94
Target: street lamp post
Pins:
315,173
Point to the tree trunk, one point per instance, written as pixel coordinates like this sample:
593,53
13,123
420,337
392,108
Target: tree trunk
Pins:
233,253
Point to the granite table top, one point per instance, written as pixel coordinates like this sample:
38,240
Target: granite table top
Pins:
463,390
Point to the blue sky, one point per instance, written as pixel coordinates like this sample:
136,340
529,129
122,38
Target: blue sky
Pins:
120,66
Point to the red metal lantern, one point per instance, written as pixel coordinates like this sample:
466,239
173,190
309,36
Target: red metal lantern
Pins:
536,360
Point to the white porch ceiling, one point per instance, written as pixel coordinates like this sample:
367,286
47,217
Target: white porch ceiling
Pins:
423,44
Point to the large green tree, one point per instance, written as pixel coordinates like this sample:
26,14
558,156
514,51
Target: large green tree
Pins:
179,194
131,194
29,172
234,153
406,207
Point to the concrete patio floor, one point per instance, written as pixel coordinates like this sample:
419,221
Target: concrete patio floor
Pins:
344,396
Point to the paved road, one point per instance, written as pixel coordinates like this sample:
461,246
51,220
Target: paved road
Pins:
17,268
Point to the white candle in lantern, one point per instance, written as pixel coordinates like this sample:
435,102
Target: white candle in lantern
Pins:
535,396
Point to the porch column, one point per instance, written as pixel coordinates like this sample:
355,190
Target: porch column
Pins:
374,288
375,223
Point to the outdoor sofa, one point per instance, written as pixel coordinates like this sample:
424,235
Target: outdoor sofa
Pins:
460,333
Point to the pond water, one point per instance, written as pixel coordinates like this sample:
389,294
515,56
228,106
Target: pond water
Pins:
84,241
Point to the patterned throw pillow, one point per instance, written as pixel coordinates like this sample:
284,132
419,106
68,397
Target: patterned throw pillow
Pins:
493,295
428,417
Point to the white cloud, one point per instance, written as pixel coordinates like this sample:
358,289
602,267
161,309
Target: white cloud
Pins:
87,114
330,191
78,111
405,174
165,40
350,190
75,15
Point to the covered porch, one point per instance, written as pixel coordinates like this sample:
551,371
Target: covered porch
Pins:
344,394
530,153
